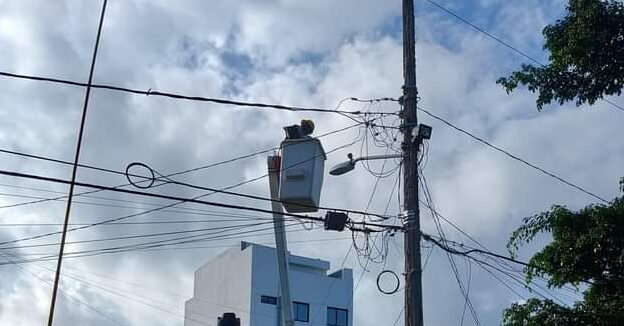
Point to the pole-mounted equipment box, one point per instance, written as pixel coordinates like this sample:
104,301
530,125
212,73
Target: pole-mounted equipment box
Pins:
301,174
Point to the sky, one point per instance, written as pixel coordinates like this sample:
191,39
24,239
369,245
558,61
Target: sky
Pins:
300,53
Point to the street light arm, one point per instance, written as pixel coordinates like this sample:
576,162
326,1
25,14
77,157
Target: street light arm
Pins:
376,157
349,165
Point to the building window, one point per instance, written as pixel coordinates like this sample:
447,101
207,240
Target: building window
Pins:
301,311
268,300
337,317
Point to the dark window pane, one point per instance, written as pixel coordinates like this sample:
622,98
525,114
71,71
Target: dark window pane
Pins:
341,317
337,316
331,316
301,311
268,300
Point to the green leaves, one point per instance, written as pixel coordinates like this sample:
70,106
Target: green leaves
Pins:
587,247
586,56
545,313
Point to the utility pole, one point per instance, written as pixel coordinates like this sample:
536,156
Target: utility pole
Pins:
411,217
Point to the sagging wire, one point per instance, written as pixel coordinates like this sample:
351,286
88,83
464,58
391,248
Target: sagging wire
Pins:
365,151
370,250
466,251
465,292
380,135
159,177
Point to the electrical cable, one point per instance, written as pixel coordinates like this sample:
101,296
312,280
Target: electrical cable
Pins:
39,157
354,246
72,183
177,173
109,289
516,279
435,213
143,301
331,286
366,250
179,210
116,172
513,156
507,45
430,238
467,291
65,293
231,246
395,289
502,264
440,231
151,92
197,247
109,279
509,154
519,281
521,297
155,244
157,176
137,236
176,198
176,203
396,321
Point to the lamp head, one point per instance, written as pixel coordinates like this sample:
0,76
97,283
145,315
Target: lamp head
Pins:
343,167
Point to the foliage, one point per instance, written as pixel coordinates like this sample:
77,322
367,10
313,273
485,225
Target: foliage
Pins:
587,248
586,56
544,313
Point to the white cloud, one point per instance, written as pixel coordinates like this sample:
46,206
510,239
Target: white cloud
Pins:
314,55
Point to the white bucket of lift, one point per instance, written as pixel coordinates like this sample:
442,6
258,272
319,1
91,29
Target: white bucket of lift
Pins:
301,174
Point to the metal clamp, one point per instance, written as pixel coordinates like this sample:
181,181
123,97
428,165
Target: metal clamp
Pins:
408,217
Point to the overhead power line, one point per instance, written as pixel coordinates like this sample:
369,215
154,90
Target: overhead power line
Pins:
175,241
513,156
441,243
179,210
161,177
506,44
191,200
166,180
148,235
144,212
176,96
197,247
211,165
72,182
506,152
107,289
503,264
63,292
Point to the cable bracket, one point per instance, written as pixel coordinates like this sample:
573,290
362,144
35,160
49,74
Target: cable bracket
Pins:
408,217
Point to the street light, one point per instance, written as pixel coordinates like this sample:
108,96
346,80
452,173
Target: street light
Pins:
344,167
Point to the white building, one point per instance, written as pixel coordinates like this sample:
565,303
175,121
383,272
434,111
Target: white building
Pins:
245,281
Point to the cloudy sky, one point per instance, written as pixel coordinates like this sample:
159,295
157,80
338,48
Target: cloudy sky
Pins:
306,53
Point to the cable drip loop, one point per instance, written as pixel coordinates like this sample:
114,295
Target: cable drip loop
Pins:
398,282
151,179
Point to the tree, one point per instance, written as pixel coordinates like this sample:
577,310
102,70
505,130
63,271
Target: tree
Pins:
587,248
586,56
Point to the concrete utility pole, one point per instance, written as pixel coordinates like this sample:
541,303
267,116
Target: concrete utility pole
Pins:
411,217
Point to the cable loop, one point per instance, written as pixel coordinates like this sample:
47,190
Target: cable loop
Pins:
151,178
398,282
